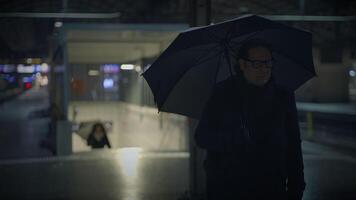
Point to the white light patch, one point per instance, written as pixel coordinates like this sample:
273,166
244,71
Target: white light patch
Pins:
44,68
127,66
58,24
93,73
138,68
25,69
129,160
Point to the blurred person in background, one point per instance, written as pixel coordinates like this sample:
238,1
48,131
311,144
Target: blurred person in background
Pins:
98,137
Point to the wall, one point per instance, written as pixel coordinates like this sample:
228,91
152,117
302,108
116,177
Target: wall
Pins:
331,83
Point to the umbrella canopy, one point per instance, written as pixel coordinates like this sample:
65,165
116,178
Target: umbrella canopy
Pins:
86,127
183,76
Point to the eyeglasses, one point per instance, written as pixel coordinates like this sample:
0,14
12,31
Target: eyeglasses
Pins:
261,64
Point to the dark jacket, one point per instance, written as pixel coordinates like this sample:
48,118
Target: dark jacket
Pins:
253,144
91,141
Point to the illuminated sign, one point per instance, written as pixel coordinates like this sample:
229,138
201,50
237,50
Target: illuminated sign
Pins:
93,72
127,66
9,68
25,69
27,79
110,68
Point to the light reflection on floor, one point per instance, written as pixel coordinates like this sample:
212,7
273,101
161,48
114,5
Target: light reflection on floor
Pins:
129,159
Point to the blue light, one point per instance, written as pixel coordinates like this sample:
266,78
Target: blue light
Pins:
37,68
352,73
10,78
27,79
108,83
110,68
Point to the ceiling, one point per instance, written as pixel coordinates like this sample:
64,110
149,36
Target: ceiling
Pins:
118,46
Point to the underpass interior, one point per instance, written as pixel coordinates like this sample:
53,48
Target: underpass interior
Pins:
132,126
106,85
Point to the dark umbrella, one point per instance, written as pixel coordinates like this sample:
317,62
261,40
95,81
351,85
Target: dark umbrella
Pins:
184,75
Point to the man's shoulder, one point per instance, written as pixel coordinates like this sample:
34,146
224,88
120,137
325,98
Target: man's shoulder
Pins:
283,93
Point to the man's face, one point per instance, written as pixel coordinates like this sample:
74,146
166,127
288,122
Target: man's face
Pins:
257,67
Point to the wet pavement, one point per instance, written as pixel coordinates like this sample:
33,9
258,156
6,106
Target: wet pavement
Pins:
126,174
135,174
329,172
152,161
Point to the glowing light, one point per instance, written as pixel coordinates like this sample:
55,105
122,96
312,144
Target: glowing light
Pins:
108,83
58,24
129,160
138,68
37,68
127,66
352,73
9,68
27,79
25,69
93,73
44,81
110,68
44,68
27,86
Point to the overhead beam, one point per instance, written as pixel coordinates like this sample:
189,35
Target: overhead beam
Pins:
61,15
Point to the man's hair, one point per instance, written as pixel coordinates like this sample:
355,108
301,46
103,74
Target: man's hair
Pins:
252,43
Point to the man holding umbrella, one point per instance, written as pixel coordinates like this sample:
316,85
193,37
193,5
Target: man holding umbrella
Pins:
250,131
248,118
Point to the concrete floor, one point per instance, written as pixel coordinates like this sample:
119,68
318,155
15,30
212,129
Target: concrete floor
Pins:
151,162
135,174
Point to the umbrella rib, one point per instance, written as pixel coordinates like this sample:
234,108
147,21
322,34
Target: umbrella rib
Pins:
201,60
250,36
232,52
192,49
229,33
217,69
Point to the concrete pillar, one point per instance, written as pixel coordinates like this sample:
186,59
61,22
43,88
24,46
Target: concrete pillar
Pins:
64,138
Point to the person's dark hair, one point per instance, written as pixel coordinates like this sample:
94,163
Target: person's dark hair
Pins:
252,43
98,125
